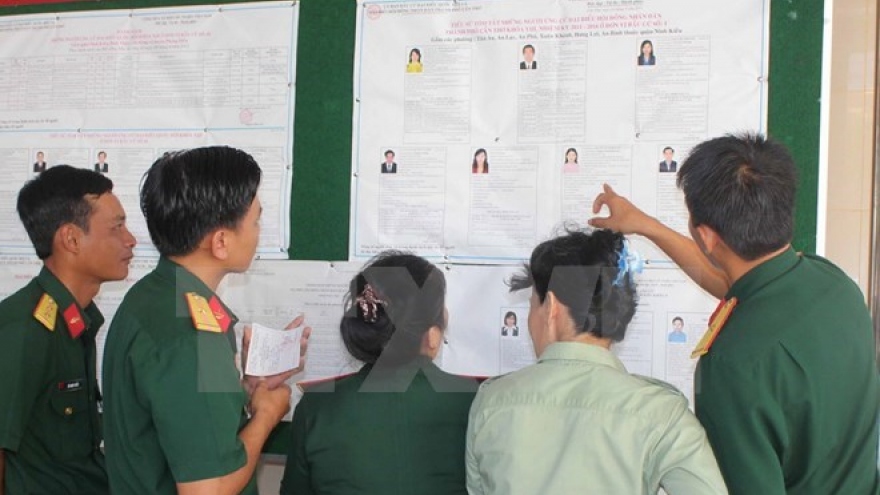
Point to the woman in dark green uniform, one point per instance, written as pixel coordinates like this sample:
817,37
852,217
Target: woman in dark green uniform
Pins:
398,425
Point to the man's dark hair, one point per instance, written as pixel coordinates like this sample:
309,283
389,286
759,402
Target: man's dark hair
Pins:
678,318
668,148
743,187
528,47
187,194
60,195
389,151
581,268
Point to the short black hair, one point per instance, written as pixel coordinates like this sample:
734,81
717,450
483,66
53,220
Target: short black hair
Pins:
413,292
678,318
743,187
60,195
668,148
580,268
509,314
187,194
527,47
389,151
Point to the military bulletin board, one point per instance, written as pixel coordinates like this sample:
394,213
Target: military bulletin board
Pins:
319,204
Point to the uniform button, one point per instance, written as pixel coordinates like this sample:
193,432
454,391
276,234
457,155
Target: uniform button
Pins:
68,411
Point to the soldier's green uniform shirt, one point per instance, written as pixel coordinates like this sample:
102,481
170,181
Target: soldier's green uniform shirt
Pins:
395,431
49,423
173,400
789,392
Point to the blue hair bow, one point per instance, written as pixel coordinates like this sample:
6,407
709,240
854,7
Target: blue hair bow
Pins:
629,262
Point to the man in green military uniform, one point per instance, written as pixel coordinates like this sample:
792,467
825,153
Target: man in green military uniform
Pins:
50,431
174,404
787,385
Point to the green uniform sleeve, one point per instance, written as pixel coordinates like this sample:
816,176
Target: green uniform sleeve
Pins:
745,427
22,360
197,425
296,479
684,460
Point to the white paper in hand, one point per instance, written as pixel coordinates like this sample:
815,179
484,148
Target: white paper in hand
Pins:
272,351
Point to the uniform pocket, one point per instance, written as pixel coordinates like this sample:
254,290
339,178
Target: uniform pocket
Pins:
72,424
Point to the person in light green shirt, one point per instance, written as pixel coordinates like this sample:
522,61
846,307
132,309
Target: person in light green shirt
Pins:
577,422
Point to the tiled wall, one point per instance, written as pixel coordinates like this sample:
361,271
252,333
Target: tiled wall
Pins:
851,137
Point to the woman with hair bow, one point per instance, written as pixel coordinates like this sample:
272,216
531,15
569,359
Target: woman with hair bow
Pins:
398,425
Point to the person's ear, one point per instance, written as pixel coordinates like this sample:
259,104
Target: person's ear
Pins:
433,339
554,313
68,237
431,342
709,237
218,243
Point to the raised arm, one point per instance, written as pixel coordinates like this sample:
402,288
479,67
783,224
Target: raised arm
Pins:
628,219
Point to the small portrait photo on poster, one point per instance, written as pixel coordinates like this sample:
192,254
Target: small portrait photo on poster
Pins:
571,165
677,334
480,165
509,327
40,163
389,166
646,53
414,62
668,164
528,61
101,166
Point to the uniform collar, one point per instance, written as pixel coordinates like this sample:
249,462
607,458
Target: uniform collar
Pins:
185,281
420,362
50,284
763,274
577,351
391,378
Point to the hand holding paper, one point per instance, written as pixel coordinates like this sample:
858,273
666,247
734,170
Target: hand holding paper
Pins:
272,355
272,351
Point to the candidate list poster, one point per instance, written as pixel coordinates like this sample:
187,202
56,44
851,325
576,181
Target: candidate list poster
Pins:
113,90
480,126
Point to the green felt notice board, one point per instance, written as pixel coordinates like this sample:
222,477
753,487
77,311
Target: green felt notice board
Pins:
320,212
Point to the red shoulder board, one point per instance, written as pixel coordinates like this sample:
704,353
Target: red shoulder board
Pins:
74,320
220,314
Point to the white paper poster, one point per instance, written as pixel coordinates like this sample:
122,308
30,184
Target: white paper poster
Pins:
479,126
488,331
487,335
113,90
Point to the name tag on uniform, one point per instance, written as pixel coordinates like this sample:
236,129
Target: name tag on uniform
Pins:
72,385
